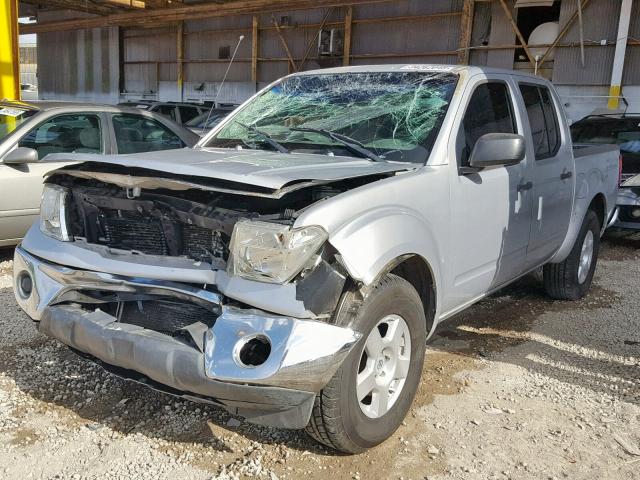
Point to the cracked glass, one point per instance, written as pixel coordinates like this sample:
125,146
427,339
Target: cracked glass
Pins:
393,115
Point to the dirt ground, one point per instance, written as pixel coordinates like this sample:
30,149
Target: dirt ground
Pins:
517,387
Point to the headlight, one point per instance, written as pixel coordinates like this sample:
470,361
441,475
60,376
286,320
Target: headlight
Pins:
53,215
272,253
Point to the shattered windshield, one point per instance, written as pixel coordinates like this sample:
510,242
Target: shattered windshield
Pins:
391,115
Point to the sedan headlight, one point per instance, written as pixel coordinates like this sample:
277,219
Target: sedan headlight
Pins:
273,253
53,215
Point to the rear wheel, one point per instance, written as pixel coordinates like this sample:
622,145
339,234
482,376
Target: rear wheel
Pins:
369,396
571,279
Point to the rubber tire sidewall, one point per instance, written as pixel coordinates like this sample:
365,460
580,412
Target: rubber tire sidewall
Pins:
573,289
397,296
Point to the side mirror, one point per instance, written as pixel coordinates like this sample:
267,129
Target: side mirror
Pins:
21,155
494,149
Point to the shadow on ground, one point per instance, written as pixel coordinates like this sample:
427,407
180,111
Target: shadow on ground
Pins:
508,327
573,342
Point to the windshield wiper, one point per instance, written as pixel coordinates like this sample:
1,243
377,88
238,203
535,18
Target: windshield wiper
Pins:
267,138
351,143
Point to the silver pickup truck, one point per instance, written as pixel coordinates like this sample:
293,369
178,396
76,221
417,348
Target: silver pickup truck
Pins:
291,267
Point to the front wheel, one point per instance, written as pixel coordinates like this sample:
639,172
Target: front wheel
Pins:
369,396
571,279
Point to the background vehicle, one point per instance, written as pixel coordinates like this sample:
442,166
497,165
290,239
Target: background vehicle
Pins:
141,104
293,264
31,131
207,120
178,112
622,130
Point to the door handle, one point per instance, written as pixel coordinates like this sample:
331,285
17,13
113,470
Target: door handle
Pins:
524,187
565,175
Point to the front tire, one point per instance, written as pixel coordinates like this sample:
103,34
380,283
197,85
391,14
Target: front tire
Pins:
571,279
369,396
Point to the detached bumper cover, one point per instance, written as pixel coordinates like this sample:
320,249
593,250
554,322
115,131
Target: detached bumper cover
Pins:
304,353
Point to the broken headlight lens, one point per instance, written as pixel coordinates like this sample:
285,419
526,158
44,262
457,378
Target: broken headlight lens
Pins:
53,215
268,252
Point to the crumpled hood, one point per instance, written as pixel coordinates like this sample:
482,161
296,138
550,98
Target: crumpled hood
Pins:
253,167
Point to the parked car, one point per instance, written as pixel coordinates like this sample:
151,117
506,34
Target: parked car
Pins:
180,113
142,104
31,131
292,266
622,130
206,121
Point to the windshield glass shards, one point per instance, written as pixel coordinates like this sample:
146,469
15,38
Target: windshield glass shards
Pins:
379,115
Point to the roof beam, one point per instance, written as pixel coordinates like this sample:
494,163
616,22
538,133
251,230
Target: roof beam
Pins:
88,6
180,13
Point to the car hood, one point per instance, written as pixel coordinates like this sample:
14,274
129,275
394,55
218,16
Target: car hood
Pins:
252,167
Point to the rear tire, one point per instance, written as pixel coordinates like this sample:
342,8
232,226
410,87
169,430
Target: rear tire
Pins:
393,313
571,279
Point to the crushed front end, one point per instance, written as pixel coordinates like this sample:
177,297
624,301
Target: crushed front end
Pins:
144,282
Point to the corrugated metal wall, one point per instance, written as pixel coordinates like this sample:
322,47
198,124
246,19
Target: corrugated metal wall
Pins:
78,65
85,64
600,23
150,55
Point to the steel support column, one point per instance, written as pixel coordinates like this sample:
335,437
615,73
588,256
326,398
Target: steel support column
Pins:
618,59
9,53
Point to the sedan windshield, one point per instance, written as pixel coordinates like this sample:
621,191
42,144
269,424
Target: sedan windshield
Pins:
11,118
386,115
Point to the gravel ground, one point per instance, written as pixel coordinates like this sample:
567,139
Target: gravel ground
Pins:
517,387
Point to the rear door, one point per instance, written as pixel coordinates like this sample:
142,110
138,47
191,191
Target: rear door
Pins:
491,208
552,173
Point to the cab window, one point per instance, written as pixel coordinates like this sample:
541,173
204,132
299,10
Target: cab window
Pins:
72,133
543,120
136,134
489,111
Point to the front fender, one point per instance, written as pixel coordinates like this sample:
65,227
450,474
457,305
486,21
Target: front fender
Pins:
376,238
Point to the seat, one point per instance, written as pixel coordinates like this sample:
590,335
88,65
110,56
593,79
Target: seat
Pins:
89,138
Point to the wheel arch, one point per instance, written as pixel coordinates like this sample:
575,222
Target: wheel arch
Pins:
599,206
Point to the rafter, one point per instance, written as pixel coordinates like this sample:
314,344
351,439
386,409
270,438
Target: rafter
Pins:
87,6
202,10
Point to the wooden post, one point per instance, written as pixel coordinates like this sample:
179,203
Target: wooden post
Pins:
516,30
292,63
562,33
254,50
348,21
180,53
466,28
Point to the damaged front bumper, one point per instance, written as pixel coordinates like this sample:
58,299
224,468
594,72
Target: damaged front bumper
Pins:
303,354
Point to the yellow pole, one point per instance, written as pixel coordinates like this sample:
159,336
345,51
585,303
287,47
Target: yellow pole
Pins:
9,61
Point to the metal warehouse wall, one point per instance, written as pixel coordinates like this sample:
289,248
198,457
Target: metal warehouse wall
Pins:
108,64
78,64
150,54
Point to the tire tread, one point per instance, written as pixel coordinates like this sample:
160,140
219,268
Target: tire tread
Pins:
325,422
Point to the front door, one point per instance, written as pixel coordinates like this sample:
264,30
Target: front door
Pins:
491,208
552,174
21,185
